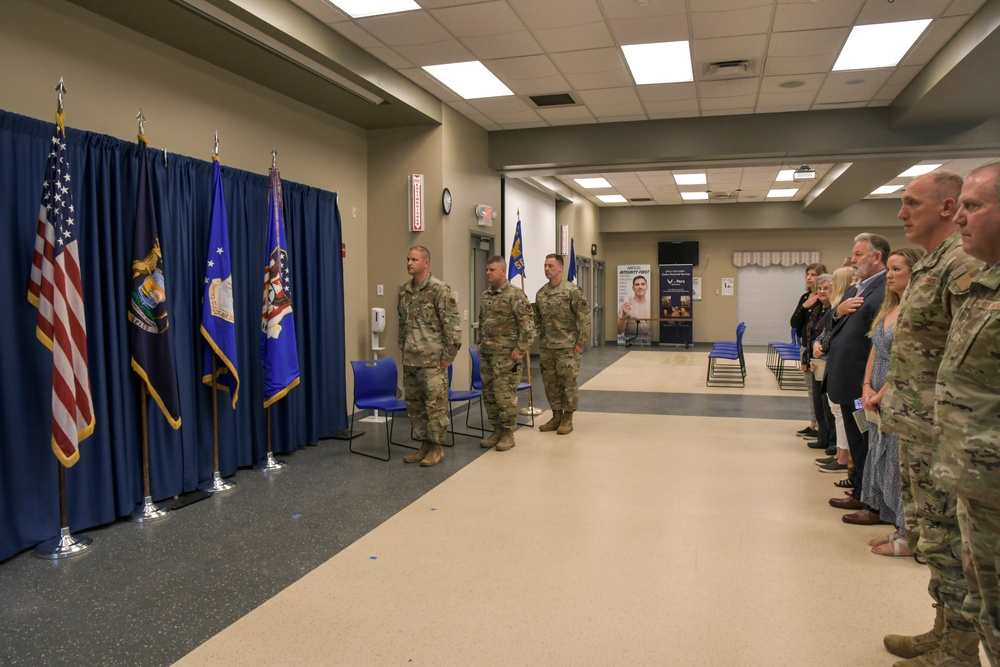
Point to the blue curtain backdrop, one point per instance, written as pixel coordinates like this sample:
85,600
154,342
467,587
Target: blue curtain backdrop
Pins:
107,481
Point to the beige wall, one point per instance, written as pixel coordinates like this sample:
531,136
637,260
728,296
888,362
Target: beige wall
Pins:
715,315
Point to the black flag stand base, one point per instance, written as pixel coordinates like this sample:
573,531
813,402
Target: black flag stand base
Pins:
269,463
63,546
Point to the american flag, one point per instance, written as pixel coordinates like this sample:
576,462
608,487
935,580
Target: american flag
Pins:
56,289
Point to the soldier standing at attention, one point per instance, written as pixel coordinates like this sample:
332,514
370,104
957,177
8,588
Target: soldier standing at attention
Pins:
938,287
506,329
562,318
967,412
430,335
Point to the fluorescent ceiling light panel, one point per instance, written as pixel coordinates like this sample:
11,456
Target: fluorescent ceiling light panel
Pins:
879,44
361,8
612,199
694,196
690,179
780,192
785,175
470,80
919,170
662,62
887,189
593,183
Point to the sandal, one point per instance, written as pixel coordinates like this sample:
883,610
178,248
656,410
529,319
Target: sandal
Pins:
900,549
879,541
846,483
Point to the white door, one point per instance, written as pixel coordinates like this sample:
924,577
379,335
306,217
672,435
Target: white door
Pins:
766,297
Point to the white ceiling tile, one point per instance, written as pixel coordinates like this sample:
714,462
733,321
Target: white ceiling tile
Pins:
486,19
566,115
517,125
630,9
727,5
774,101
885,12
569,38
730,88
674,109
323,10
810,83
522,68
499,105
438,4
938,34
390,57
667,92
649,30
609,96
509,46
406,28
357,34
743,103
853,86
557,13
597,68
617,116
808,43
753,21
796,15
545,85
435,53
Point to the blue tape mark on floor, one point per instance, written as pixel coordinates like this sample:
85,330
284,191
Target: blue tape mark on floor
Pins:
296,516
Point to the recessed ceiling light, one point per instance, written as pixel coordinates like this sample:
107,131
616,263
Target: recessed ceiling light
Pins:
777,193
879,44
690,179
612,199
785,175
919,170
661,62
887,189
593,183
470,80
361,8
694,196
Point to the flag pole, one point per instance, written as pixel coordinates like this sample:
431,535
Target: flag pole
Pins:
269,463
531,409
148,511
65,545
217,483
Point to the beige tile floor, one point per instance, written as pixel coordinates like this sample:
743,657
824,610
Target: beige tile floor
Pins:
635,540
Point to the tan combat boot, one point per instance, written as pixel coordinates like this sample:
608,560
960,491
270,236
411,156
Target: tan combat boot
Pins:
553,423
906,646
492,440
434,457
566,425
506,440
957,649
418,456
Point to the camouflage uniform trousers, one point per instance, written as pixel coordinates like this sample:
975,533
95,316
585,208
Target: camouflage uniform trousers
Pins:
932,527
500,388
426,391
560,368
980,524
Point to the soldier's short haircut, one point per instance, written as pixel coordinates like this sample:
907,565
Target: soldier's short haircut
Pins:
640,277
496,259
994,169
947,184
424,252
556,257
876,244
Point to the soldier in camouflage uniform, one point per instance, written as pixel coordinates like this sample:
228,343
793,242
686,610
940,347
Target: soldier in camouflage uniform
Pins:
967,413
938,287
430,335
506,329
562,318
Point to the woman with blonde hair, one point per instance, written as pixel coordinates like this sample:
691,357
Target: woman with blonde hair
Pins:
880,486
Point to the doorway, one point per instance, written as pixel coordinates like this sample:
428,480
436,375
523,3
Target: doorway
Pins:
597,325
481,249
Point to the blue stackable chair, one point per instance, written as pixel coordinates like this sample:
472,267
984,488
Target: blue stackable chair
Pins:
375,382
458,396
722,374
775,349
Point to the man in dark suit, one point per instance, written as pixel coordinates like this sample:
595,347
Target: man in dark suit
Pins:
849,348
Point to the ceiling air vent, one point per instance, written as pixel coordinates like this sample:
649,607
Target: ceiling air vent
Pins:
724,196
556,100
641,199
729,69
